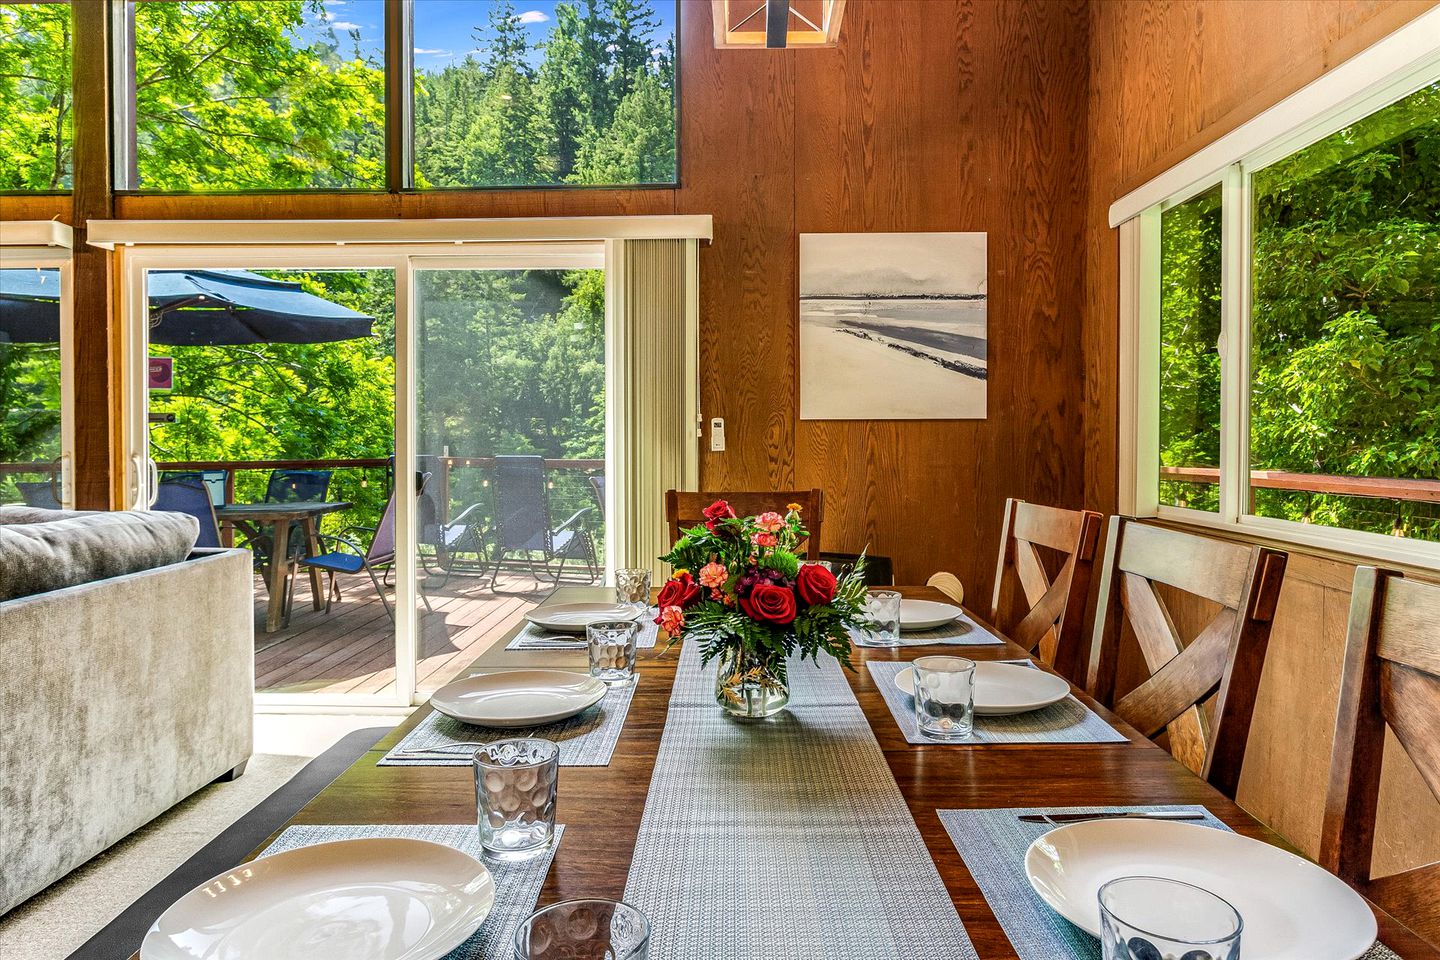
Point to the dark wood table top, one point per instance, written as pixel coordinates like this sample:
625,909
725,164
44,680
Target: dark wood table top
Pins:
273,512
601,806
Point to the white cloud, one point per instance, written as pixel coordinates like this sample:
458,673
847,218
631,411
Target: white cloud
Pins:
344,25
533,16
426,52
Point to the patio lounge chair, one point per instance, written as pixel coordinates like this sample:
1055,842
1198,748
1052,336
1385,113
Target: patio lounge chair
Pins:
39,493
193,498
523,525
346,556
451,539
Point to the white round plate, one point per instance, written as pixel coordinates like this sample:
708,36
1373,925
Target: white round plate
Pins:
518,698
575,617
926,614
1003,689
1292,909
358,899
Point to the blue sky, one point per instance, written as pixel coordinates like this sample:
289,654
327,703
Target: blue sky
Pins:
444,29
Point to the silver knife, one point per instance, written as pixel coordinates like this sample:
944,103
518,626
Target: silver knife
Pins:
1082,817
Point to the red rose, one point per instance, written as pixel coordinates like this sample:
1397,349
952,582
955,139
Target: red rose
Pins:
768,603
679,591
815,584
716,512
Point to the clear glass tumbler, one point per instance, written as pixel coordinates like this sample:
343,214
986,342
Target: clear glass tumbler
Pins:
1151,918
883,608
584,930
612,650
632,587
945,697
515,796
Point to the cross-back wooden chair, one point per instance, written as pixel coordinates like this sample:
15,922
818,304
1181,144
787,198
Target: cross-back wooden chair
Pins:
1226,657
1391,678
684,509
1052,623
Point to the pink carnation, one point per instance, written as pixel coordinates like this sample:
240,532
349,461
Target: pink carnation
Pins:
770,522
713,575
764,540
672,620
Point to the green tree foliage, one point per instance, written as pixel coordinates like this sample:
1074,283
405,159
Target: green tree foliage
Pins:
1345,304
35,97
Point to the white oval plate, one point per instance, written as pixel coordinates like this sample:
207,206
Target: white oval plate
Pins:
1292,909
381,899
518,698
926,614
1003,689
575,617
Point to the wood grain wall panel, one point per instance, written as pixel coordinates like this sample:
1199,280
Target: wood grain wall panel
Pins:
737,151
35,208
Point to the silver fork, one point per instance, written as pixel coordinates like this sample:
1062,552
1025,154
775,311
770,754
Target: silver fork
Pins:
443,748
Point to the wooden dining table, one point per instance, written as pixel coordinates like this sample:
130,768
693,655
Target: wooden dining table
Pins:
601,806
253,517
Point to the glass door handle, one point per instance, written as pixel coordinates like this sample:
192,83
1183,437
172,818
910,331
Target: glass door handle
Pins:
152,477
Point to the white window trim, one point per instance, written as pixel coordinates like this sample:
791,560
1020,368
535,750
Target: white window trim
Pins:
1384,73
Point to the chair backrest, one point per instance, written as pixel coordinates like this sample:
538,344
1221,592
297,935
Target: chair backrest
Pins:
1052,623
1225,658
879,571
597,483
190,497
290,486
685,509
382,545
214,481
948,584
1391,678
522,506
38,493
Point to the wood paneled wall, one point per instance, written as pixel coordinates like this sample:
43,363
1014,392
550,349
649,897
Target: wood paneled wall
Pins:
927,117
1166,78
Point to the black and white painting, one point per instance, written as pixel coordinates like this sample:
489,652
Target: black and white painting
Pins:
892,326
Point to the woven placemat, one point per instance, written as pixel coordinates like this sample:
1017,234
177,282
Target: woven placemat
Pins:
517,885
532,637
784,839
993,843
962,632
586,739
1068,721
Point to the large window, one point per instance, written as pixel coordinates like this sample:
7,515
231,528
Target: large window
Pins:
1286,320
544,93
35,102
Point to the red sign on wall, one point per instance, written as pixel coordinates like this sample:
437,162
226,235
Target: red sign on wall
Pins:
162,373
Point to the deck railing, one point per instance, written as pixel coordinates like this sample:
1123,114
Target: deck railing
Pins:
1382,488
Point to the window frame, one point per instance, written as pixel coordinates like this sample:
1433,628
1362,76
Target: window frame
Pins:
1388,71
398,151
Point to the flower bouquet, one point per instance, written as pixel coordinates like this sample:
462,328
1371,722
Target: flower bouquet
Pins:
741,592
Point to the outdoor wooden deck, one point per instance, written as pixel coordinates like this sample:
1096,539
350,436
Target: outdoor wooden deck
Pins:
352,649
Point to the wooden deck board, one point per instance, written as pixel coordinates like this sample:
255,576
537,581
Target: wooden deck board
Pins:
351,650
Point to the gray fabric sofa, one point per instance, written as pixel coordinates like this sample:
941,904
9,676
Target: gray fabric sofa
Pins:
120,695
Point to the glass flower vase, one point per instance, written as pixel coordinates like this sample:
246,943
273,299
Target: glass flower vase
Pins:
749,685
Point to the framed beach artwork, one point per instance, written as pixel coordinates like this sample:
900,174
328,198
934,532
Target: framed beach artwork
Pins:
892,326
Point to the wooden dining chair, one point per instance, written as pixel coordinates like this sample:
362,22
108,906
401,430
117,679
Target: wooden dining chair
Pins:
1391,677
948,584
1224,659
683,509
1052,624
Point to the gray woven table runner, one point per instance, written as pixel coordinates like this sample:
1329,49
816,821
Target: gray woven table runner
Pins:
783,839
993,843
532,637
962,632
1068,721
517,885
586,739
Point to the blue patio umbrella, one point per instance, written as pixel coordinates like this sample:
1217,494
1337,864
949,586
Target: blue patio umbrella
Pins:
190,308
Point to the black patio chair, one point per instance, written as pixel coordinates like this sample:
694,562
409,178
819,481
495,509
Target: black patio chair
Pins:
450,540
214,481
597,484
291,486
39,494
523,525
346,556
192,498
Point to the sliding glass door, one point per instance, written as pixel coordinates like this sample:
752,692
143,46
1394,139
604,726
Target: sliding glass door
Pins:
36,418
509,436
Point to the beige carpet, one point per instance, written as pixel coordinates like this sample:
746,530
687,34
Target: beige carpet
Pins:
52,924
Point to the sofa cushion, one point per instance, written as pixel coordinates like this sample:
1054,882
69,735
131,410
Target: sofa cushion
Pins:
11,513
40,556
